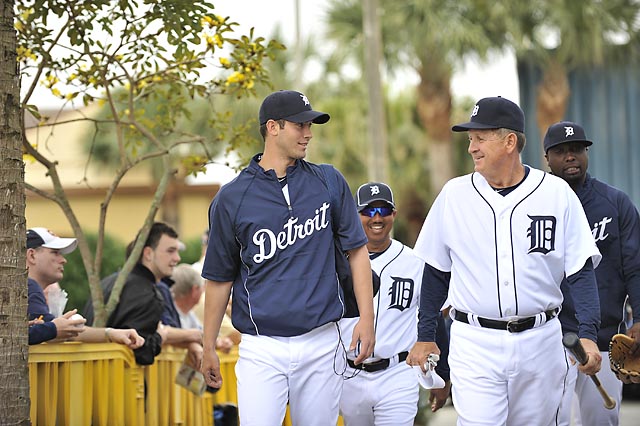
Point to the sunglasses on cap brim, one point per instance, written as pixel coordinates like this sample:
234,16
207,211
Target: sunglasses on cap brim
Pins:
382,211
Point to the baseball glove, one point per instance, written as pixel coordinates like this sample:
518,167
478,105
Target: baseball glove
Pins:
623,361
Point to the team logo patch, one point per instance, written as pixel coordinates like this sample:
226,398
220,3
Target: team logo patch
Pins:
542,234
568,131
401,293
304,99
475,111
375,189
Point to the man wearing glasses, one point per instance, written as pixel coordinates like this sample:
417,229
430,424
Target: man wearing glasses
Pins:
384,389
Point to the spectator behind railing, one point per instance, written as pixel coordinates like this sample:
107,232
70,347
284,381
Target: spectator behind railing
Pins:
186,291
142,305
45,265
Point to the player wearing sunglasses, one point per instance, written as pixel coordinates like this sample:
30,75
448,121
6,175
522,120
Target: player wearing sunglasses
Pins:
384,389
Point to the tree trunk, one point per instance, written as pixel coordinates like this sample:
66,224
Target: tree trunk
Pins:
14,373
552,97
434,110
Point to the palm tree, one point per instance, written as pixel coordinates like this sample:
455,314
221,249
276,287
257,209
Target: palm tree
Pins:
430,37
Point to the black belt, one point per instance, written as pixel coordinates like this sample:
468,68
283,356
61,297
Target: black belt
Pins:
381,364
515,326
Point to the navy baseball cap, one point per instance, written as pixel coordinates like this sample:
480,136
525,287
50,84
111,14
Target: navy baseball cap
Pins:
494,113
42,237
291,106
373,191
564,132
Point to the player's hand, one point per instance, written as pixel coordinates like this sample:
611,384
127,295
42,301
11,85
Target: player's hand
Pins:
364,338
128,337
438,397
634,332
66,328
594,359
211,368
420,352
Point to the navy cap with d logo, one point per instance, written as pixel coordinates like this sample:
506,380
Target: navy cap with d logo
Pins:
494,113
291,106
564,132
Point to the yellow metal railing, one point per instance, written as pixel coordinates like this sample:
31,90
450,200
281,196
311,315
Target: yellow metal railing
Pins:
101,384
79,384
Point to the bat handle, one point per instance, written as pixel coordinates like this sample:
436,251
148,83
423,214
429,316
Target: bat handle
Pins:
572,342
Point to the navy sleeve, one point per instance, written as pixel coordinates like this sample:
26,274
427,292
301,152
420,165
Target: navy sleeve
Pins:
584,292
39,333
350,229
442,340
37,304
630,249
435,287
170,315
222,258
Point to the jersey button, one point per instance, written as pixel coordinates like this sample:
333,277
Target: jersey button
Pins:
506,283
507,312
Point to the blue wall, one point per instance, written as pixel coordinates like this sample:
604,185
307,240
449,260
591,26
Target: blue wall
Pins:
606,102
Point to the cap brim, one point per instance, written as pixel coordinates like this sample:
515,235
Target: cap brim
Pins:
471,125
65,245
315,117
584,141
364,206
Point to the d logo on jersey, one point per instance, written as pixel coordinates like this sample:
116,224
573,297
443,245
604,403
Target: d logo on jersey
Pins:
542,233
401,293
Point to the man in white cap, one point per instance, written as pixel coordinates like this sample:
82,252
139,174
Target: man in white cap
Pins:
45,264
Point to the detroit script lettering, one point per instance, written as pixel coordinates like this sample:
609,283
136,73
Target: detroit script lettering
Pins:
267,241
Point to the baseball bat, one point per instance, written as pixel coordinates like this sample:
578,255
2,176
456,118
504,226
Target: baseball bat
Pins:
572,342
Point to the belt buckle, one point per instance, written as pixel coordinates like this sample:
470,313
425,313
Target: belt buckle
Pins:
513,326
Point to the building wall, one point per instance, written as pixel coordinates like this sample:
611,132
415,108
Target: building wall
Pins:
606,102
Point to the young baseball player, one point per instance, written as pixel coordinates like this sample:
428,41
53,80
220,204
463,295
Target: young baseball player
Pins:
616,230
508,234
271,241
383,390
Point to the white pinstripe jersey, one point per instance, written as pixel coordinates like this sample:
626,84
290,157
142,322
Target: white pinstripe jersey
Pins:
396,304
507,254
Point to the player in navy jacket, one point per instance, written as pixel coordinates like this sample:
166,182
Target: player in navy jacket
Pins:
271,240
616,229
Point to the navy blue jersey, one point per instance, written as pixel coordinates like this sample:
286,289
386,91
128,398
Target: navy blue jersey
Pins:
616,228
279,255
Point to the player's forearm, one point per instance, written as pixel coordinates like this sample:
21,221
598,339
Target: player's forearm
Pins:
362,281
435,286
584,292
215,304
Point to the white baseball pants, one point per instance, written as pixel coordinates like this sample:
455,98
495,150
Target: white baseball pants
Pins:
381,398
501,378
300,370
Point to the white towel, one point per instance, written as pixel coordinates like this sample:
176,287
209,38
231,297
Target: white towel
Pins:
430,379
